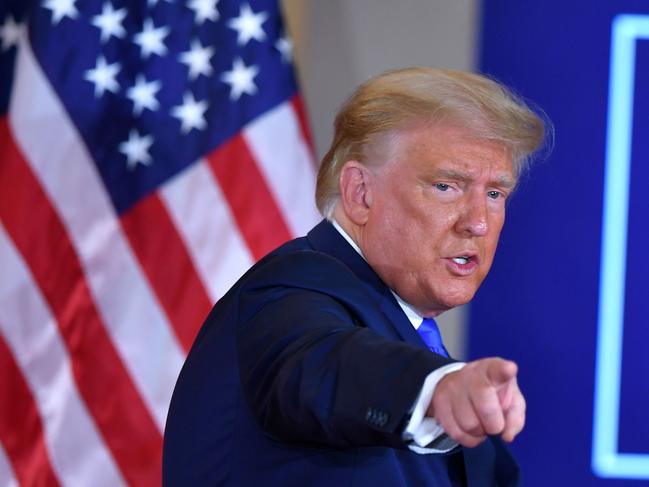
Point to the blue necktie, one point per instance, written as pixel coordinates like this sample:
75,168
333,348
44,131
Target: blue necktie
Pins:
431,336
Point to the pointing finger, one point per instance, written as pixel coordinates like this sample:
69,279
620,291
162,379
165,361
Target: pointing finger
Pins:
500,371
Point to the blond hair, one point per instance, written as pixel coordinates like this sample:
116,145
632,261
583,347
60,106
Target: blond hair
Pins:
397,98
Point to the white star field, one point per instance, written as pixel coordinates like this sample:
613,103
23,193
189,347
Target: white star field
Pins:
145,89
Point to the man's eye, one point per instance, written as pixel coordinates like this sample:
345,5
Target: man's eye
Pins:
494,195
442,186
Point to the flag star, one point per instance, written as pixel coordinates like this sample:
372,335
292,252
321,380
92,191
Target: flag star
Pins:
61,8
198,60
241,79
248,25
285,48
110,22
151,40
10,33
204,10
142,94
153,3
190,113
103,76
136,149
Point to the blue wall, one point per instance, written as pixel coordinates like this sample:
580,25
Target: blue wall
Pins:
547,298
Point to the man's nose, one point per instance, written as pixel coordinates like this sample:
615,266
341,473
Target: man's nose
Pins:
473,218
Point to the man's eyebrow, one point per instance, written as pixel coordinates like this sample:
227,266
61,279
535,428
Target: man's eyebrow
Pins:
451,174
505,182
502,181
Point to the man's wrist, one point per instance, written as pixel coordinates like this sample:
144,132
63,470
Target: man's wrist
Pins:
421,431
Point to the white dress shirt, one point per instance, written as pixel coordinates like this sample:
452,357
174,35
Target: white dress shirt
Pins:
421,430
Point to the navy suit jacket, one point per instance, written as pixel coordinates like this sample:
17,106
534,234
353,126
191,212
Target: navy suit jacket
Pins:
304,374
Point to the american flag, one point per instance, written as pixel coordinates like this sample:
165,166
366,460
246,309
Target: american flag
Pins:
150,151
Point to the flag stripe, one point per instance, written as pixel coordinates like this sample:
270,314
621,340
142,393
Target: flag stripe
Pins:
129,308
216,247
100,375
21,430
284,159
123,216
305,128
7,475
79,457
168,266
259,220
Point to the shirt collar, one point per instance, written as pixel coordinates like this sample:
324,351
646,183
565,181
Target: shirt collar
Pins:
414,318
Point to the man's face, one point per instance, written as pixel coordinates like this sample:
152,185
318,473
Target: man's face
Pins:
436,208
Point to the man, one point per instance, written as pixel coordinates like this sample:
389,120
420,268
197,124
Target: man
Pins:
312,369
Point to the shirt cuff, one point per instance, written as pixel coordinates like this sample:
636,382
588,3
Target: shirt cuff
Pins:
424,434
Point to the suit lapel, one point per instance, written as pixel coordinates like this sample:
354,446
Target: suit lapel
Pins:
395,314
325,238
479,465
493,461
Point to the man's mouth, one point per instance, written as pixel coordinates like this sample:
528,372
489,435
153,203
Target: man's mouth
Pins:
464,264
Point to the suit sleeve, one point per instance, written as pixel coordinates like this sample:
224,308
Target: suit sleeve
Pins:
313,373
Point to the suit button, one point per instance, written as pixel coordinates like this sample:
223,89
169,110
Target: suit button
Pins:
382,419
376,417
370,415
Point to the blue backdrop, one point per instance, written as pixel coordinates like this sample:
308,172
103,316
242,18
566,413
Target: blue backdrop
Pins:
568,297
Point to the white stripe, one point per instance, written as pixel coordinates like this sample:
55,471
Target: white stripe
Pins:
202,215
285,161
7,477
132,314
78,454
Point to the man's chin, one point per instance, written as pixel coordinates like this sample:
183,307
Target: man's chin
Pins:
454,300
432,309
437,301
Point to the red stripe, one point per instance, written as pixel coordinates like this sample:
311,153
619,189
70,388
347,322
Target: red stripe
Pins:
168,266
21,429
104,383
257,215
305,129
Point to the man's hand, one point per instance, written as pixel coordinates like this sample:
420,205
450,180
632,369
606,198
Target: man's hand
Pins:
481,399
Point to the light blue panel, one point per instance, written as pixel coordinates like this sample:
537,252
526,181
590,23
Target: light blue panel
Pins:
606,460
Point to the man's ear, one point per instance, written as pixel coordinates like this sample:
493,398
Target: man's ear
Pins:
356,191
